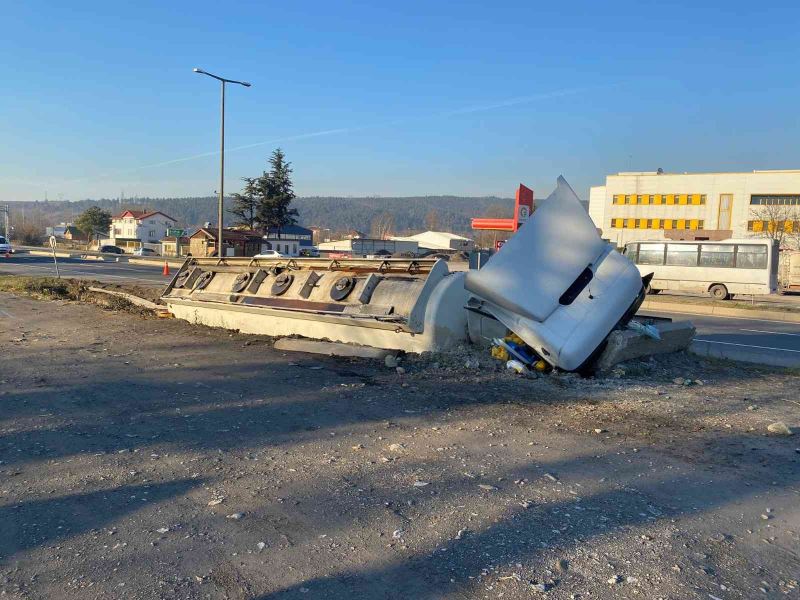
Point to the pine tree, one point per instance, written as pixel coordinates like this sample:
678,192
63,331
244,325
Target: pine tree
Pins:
276,194
94,221
245,205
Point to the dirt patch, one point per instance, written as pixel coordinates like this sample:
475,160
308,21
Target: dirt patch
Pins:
149,458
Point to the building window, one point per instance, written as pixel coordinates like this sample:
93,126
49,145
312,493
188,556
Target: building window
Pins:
627,199
702,198
775,199
701,224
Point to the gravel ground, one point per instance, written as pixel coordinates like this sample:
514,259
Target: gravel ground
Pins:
147,458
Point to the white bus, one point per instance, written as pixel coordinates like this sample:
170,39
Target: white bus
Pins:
721,269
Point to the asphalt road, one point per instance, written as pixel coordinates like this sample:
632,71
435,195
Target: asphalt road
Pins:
764,300
111,272
754,340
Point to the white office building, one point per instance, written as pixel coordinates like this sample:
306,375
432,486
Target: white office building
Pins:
713,206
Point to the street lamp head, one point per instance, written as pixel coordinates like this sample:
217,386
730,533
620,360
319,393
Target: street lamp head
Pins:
245,84
196,70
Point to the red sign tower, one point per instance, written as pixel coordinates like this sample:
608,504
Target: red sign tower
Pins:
523,208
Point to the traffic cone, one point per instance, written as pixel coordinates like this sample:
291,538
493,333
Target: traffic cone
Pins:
166,269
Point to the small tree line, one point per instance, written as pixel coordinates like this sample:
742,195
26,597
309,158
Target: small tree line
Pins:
780,222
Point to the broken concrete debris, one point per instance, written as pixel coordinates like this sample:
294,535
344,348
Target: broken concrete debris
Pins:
779,428
563,308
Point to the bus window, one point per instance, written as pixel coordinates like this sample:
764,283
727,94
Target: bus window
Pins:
631,250
751,256
716,255
651,254
682,255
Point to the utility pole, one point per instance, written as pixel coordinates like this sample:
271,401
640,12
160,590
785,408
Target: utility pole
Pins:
6,210
222,81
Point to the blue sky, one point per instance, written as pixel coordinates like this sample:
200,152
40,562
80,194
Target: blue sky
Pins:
399,98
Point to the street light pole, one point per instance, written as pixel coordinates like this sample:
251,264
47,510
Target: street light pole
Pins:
222,81
220,245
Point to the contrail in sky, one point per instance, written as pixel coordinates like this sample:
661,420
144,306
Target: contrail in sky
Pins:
450,113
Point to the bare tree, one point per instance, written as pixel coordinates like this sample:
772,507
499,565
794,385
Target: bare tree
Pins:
780,222
382,226
432,219
487,238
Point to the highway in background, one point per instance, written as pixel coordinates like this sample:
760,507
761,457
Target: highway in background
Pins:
760,300
763,341
107,271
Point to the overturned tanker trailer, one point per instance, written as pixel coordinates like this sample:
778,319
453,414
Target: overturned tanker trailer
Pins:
556,284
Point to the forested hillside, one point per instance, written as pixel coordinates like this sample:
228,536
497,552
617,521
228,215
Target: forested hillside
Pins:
402,215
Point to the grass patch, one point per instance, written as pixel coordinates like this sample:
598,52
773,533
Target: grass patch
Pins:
50,288
43,287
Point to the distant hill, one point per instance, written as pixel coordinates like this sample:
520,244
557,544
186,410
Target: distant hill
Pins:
409,214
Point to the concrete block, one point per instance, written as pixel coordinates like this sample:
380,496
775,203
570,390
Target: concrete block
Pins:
129,297
627,345
331,348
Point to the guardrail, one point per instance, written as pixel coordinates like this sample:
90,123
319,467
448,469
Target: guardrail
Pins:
153,261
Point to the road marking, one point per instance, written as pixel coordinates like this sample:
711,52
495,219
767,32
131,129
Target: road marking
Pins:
745,345
772,332
4,313
646,311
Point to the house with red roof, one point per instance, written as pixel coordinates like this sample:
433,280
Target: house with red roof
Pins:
132,229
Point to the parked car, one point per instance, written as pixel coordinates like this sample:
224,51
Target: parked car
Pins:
5,246
112,249
312,252
145,252
269,254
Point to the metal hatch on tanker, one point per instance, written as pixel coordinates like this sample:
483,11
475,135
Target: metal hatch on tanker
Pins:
557,284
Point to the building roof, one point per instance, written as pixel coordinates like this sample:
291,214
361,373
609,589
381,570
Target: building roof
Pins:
74,231
140,214
291,229
663,173
434,240
228,234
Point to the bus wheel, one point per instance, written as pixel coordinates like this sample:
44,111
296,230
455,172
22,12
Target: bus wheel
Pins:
718,292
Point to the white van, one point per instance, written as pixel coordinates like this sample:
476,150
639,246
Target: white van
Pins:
5,247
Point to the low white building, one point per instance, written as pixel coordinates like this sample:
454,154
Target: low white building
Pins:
133,229
657,205
439,240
